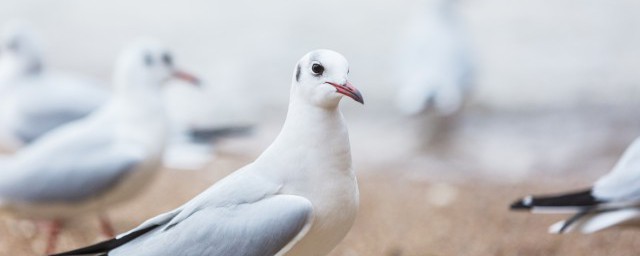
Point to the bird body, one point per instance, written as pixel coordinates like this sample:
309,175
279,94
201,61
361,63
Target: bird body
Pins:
72,184
93,163
613,200
435,66
33,106
33,99
299,197
335,202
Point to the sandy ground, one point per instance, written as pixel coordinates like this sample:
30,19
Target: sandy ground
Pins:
397,217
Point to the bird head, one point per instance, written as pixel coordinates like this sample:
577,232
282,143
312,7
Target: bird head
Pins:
321,78
147,63
20,49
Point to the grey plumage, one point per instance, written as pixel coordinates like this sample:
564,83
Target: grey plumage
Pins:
260,222
90,156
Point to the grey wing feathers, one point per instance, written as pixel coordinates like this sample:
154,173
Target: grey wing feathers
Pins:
35,125
261,228
67,178
42,113
156,221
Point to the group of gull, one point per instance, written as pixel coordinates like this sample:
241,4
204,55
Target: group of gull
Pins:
81,149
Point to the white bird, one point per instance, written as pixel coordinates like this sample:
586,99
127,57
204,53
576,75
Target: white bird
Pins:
201,117
299,197
33,99
103,159
613,200
193,148
434,62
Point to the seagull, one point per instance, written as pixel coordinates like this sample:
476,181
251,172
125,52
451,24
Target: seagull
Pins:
613,200
299,197
33,99
107,157
435,66
193,148
200,118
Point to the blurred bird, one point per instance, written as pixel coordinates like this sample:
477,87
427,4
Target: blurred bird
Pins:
435,72
300,197
613,200
200,118
105,158
192,149
33,99
435,66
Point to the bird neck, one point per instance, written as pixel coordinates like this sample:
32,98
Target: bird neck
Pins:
312,139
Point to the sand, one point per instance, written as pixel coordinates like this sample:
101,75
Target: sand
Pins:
398,216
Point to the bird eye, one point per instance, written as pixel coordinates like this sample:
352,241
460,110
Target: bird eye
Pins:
167,59
317,69
148,60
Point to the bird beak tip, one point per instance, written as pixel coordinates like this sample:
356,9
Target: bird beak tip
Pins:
350,91
360,100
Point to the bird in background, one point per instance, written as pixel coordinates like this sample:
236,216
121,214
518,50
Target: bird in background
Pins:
435,66
105,158
435,72
201,118
34,99
299,197
613,200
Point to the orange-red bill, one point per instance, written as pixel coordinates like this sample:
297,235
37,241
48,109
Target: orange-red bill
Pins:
348,90
186,77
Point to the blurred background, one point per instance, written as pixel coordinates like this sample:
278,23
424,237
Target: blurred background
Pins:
552,104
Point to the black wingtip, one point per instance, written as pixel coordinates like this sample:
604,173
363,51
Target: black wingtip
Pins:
583,198
522,204
106,246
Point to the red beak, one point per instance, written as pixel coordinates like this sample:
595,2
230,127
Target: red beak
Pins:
189,78
348,90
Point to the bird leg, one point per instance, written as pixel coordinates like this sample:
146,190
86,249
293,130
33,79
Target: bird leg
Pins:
106,227
52,239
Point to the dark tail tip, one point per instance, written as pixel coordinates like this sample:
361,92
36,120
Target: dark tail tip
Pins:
522,204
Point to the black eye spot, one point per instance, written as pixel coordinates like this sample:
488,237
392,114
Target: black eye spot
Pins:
317,69
167,59
298,73
148,60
